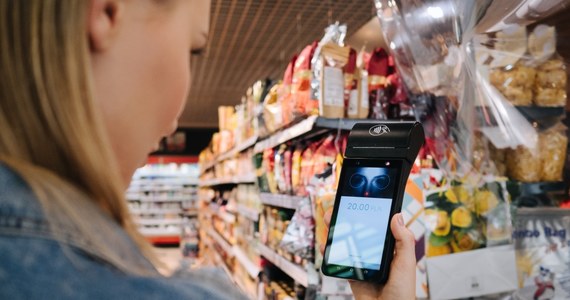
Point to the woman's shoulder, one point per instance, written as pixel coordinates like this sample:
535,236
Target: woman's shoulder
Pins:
16,198
34,268
34,264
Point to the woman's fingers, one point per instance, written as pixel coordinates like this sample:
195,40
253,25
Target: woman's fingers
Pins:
405,241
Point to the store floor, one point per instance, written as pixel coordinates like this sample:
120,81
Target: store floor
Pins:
171,258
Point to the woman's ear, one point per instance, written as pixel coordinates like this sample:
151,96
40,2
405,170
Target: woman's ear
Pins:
102,22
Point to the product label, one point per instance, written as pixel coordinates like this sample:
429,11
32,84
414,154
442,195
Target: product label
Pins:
542,254
364,93
333,87
353,103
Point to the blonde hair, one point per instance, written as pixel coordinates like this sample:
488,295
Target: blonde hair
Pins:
51,132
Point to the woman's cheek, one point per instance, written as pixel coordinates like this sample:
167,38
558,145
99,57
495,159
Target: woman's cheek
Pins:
176,91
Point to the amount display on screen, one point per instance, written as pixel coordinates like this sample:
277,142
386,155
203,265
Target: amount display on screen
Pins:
363,207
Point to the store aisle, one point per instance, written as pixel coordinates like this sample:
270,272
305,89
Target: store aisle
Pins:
171,258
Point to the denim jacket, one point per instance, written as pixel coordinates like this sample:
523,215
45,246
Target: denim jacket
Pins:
34,265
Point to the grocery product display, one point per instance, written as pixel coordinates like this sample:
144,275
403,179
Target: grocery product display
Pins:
283,153
163,198
486,166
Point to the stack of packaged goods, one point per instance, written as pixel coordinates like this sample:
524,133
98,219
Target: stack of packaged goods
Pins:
223,206
282,290
249,206
533,76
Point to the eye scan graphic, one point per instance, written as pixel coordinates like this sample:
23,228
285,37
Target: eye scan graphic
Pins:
363,217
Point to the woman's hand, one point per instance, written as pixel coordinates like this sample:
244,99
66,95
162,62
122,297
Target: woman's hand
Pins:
401,284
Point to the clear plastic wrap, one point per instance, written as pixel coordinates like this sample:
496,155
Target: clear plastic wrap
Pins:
461,218
334,34
299,235
464,79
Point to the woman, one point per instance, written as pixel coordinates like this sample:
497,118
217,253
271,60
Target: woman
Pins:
87,89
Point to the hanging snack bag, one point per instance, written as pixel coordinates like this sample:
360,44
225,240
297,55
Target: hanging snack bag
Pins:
301,84
329,58
307,163
351,78
272,113
296,159
377,72
287,168
269,166
325,155
331,100
284,95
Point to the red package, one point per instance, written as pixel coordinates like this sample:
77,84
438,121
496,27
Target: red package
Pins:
284,95
307,162
269,166
351,102
377,72
296,161
324,156
288,166
301,85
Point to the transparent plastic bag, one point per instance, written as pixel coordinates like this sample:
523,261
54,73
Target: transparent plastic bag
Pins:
462,217
299,236
335,34
464,80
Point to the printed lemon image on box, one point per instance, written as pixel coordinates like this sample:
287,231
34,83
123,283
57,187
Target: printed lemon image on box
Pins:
463,218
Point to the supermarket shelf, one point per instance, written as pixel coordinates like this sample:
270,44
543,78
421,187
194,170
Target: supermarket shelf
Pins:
226,216
191,213
222,242
158,199
221,263
305,126
249,293
536,113
231,153
294,271
250,178
159,232
165,181
158,189
285,201
247,212
148,222
156,211
342,124
144,178
237,149
249,266
163,240
209,165
286,134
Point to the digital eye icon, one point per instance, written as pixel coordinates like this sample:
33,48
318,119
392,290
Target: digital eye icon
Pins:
378,184
358,184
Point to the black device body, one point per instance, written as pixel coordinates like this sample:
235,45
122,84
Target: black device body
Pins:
378,161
